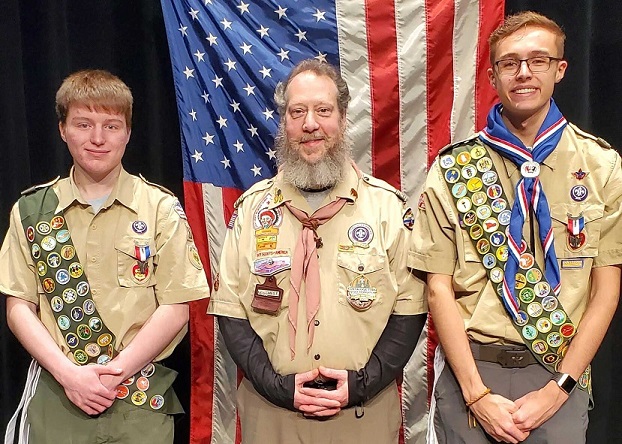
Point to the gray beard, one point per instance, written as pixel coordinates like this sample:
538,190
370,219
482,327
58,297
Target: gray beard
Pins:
325,173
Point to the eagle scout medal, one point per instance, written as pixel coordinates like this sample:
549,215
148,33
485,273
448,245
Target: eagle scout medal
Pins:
361,235
360,294
267,297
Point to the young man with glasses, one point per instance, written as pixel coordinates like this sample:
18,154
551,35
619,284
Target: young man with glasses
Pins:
517,234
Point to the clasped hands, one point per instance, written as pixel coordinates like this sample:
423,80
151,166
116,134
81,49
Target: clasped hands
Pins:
320,403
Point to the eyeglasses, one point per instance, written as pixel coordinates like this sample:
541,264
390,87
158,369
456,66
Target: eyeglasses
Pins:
510,67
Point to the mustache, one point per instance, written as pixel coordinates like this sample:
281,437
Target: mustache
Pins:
313,136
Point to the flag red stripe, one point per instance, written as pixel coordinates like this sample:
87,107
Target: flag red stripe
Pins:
229,196
384,89
491,14
439,73
201,328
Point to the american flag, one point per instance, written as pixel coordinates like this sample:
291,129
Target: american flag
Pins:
417,75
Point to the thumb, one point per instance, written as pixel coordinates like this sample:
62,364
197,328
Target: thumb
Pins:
329,372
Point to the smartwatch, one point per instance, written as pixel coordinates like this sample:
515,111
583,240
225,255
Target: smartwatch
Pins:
565,382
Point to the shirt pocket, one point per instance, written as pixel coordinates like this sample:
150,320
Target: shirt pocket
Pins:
361,279
588,237
129,270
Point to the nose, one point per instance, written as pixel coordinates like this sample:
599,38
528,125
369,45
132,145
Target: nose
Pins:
523,69
97,135
310,124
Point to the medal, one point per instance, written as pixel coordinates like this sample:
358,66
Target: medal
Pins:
360,294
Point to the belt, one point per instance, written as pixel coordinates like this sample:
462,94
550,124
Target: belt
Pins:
508,356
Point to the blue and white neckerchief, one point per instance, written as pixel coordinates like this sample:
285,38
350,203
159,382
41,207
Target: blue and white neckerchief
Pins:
529,194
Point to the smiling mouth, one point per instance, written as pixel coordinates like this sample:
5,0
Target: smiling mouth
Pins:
524,90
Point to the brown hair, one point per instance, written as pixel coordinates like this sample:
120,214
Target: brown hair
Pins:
319,69
97,89
521,20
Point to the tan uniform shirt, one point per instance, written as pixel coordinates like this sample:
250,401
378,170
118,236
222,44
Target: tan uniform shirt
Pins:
442,246
344,337
105,245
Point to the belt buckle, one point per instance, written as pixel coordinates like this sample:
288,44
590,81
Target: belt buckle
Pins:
513,358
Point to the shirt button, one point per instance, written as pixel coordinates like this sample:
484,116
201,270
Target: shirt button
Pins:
93,259
316,322
361,268
94,227
317,357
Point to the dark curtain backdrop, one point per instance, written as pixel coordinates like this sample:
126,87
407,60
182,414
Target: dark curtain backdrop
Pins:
43,41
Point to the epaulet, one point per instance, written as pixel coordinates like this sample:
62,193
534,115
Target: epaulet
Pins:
452,146
599,140
259,186
34,188
166,190
379,183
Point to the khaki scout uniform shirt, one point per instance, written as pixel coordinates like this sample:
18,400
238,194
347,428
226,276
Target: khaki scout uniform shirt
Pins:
344,337
105,244
442,246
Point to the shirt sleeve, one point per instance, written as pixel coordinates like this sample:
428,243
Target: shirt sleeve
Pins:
433,241
17,269
610,244
179,274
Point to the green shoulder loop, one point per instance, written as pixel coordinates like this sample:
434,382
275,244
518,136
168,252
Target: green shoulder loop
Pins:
471,140
602,142
153,184
379,183
34,188
259,186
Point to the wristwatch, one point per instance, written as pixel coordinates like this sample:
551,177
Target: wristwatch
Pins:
565,382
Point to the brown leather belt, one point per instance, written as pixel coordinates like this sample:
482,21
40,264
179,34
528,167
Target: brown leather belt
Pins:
508,356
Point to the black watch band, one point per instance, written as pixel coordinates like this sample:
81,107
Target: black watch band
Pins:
565,382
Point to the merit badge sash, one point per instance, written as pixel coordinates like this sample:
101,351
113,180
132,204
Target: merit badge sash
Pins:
484,212
67,289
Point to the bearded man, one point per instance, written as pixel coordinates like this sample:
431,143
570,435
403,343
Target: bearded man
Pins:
318,308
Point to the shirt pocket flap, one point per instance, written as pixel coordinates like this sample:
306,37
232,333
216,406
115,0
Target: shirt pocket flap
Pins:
132,270
361,263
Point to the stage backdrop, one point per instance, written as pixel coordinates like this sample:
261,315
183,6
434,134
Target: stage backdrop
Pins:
41,43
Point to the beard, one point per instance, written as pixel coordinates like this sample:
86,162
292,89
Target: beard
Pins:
322,174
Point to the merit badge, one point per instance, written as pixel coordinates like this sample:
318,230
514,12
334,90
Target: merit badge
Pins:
542,289
142,383
269,263
526,261
534,276
43,228
469,218
549,303
585,378
494,191
452,175
76,270
104,340
80,356
504,217
72,340
459,190
63,322
483,246
463,204
42,269
156,402
463,158
408,218
62,276
122,392
489,178
489,260
89,307
527,295
36,251
479,198
267,297
498,205
77,314
30,234
580,175
497,238
68,252
139,227
534,309
361,235
48,243
179,210
578,193
483,212
496,275
476,232
558,317
530,169
129,381
519,281
63,236
57,304
53,260
148,370
502,253
477,152
544,325
550,358
447,161
69,295
567,330
193,256
84,332
360,294
474,184
529,332
484,165
539,346
92,349
521,318
82,288
95,324
469,171
491,225
139,397
48,285
57,222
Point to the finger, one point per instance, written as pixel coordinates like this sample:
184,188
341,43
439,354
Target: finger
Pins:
319,401
327,412
107,370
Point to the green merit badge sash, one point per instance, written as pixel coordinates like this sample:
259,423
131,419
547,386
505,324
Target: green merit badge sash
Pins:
67,290
484,212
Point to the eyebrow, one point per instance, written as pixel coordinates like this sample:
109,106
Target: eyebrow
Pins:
536,53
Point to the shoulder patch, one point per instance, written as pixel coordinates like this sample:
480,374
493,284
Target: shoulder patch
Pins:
599,140
34,188
379,183
166,190
259,186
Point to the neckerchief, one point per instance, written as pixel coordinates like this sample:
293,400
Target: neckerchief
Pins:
528,194
305,266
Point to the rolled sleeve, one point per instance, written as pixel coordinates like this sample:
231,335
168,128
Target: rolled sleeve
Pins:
610,244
